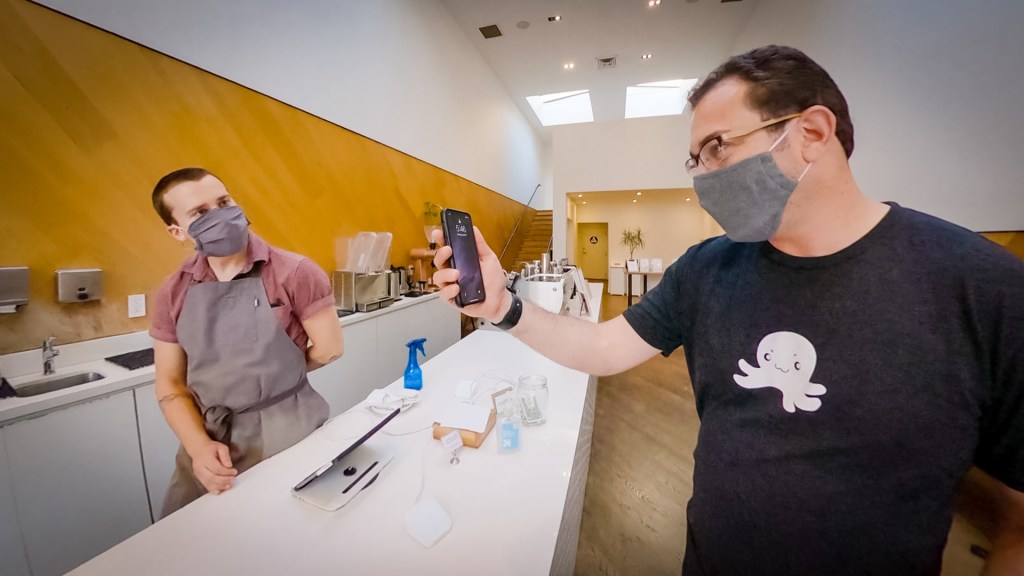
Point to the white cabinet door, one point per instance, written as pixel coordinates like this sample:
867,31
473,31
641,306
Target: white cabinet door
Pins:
444,327
346,381
78,482
433,319
159,447
13,561
393,331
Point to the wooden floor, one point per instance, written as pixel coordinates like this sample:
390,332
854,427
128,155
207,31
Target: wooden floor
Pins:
641,469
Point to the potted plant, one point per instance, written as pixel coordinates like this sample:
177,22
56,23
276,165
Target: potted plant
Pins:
632,239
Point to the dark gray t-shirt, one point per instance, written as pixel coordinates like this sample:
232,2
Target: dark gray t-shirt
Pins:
843,398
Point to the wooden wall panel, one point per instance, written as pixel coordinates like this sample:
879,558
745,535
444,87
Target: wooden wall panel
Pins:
1013,241
90,122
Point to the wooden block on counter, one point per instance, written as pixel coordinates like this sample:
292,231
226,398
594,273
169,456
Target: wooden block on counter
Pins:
469,437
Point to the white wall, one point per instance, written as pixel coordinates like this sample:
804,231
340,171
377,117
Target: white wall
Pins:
397,71
544,197
636,154
670,224
934,88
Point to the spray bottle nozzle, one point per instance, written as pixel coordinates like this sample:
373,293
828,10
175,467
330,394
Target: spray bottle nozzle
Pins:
416,344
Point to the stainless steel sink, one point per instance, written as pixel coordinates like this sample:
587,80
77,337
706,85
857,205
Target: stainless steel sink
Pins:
54,383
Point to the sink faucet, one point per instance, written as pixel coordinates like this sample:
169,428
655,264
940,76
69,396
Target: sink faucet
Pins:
49,353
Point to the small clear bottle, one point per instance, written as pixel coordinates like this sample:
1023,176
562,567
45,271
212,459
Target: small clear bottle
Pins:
532,396
508,425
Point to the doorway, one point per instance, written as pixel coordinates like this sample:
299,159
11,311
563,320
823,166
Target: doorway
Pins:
592,249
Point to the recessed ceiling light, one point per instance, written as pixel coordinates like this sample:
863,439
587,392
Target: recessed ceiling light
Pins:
522,24
569,65
687,199
554,18
647,56
584,201
634,200
653,3
639,193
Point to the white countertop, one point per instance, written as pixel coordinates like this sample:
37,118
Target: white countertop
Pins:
506,510
22,367
401,303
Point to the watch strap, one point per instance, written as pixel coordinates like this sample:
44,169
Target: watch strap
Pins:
514,313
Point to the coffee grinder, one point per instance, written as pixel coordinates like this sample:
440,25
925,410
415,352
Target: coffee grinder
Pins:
423,258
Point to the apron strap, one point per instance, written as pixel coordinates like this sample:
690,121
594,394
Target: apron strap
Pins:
267,403
220,418
253,272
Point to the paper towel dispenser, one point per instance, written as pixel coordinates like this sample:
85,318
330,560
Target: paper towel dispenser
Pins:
79,284
13,286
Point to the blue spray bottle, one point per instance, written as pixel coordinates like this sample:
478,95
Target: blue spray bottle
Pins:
413,374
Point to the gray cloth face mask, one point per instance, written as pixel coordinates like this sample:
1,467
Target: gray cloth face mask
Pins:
220,232
748,198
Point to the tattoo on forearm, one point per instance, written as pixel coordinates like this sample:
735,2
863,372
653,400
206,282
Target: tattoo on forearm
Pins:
171,397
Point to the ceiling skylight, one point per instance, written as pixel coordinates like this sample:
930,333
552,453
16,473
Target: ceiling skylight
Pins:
664,98
562,107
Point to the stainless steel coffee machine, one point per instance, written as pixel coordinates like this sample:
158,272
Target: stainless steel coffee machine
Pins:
365,283
362,291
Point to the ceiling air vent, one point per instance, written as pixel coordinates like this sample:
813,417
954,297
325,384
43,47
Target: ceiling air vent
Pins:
491,31
606,62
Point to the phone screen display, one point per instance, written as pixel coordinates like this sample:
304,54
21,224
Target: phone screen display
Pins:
458,233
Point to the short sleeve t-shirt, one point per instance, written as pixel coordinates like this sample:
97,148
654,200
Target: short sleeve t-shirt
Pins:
843,398
296,287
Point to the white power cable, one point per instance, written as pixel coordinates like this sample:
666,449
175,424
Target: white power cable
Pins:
423,471
494,375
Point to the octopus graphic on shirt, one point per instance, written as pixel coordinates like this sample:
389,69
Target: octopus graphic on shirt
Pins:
785,361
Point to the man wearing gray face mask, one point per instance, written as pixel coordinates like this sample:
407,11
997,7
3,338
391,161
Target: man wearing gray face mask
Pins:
235,330
850,359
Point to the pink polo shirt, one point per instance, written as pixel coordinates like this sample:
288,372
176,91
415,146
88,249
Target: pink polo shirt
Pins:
296,287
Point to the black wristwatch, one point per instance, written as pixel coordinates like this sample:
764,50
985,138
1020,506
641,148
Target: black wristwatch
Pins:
514,313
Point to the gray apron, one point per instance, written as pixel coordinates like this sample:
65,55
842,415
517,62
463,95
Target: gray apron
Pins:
247,376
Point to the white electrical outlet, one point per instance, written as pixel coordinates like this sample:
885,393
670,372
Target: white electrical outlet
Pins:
136,305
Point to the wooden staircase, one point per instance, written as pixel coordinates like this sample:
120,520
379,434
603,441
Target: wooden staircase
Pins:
536,240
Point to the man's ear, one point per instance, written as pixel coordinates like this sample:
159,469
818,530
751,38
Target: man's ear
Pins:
818,127
177,232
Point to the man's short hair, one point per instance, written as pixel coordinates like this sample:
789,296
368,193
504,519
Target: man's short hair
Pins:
169,181
783,80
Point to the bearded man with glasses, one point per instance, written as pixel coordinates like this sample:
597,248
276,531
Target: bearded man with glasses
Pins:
851,359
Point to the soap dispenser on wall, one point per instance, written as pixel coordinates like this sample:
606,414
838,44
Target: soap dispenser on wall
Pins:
79,284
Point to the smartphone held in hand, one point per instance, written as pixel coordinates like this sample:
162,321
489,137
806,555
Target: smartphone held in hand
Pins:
458,233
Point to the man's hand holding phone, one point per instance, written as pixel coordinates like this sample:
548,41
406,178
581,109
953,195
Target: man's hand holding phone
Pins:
498,301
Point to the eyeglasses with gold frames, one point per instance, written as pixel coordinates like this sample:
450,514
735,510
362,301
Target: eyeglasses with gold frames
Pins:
713,151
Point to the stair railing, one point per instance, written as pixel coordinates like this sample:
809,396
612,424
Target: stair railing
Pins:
526,209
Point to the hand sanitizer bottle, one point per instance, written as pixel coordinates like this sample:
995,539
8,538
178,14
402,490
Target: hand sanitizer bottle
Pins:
508,426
